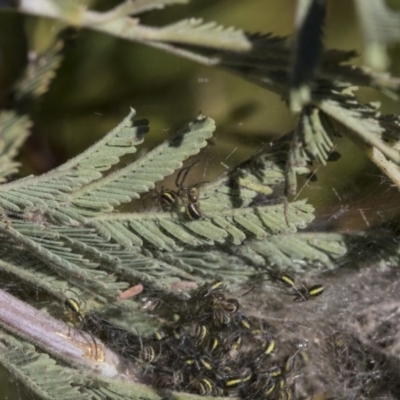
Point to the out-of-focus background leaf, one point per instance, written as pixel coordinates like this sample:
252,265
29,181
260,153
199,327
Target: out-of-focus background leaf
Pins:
102,76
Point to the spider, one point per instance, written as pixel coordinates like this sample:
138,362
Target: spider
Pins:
169,198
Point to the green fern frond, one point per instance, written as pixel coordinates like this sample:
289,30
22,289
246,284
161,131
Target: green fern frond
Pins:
256,180
34,273
69,251
53,189
301,252
162,230
216,262
361,119
315,133
128,263
195,32
335,107
138,177
104,253
129,7
96,254
107,152
14,129
46,245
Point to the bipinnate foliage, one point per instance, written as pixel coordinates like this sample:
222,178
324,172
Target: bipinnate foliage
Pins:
68,225
305,74
94,226
14,131
74,207
75,240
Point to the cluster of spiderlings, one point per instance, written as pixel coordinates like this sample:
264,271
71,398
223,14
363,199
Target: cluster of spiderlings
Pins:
215,350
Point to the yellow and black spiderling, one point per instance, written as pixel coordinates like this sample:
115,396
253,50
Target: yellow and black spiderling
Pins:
306,293
213,345
300,291
168,198
205,387
187,196
269,387
147,354
73,306
216,289
205,362
239,380
199,333
161,334
270,347
236,342
281,277
315,290
287,280
243,322
193,211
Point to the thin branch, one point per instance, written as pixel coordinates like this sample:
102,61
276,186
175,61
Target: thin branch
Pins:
57,338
